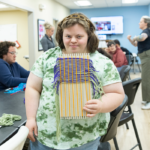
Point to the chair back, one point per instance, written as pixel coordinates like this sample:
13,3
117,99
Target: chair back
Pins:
114,121
124,72
130,89
129,59
17,141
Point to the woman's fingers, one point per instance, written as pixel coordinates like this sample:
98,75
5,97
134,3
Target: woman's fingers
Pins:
93,106
32,126
91,115
89,110
35,131
30,136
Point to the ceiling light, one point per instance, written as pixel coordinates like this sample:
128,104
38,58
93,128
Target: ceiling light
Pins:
3,6
129,1
83,3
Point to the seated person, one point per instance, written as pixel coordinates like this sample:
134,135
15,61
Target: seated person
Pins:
11,74
118,57
127,52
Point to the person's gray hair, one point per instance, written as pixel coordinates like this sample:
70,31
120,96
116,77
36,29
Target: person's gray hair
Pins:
147,20
47,25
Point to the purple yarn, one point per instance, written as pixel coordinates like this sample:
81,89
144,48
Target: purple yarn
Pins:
81,71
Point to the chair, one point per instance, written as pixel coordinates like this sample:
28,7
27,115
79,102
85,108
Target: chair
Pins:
130,88
113,125
125,72
17,141
131,60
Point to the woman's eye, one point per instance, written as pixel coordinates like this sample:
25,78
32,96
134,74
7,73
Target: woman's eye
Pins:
68,36
79,37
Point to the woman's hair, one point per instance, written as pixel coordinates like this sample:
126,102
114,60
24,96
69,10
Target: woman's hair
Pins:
47,25
81,19
103,52
4,46
147,20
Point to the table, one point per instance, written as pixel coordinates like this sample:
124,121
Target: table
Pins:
12,104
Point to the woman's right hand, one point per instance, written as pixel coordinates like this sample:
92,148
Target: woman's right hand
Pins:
129,37
32,126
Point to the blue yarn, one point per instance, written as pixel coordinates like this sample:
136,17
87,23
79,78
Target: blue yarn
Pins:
20,87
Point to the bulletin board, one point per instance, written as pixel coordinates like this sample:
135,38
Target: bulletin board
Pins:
41,33
8,32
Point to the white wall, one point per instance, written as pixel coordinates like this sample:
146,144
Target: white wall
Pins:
53,10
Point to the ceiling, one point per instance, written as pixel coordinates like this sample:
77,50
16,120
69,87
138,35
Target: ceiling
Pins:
101,3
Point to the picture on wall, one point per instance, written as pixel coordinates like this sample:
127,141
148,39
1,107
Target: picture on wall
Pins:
41,33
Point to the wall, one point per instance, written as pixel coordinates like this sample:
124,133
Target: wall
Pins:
131,16
149,9
21,19
53,10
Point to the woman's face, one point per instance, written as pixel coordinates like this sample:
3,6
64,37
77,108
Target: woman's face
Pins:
75,39
112,48
50,31
142,24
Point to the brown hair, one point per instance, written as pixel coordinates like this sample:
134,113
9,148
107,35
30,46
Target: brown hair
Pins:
103,52
110,43
67,22
4,46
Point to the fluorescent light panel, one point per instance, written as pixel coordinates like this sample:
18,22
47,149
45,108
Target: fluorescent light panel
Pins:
129,1
83,3
3,6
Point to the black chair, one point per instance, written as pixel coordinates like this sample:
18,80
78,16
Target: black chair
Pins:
125,73
130,88
112,127
130,60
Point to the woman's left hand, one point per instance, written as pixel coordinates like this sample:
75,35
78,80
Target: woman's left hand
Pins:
93,107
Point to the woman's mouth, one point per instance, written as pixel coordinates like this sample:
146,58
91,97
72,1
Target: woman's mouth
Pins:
73,46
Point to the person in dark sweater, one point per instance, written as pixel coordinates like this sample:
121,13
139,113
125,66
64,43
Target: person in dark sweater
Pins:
11,74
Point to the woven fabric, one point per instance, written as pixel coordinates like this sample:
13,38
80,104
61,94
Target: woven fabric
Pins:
75,70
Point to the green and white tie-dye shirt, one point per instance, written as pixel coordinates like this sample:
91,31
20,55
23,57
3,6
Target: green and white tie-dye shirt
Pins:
74,132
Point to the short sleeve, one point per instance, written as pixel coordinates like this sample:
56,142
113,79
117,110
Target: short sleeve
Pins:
38,67
110,73
146,31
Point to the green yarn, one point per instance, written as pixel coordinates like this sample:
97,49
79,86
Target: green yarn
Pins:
8,119
58,132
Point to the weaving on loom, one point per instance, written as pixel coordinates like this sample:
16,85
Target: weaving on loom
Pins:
75,82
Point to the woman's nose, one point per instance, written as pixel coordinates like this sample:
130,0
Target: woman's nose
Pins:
73,39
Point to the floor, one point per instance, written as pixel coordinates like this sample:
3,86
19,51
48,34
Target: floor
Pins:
126,138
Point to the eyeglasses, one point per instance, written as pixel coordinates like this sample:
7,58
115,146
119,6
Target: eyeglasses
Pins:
13,53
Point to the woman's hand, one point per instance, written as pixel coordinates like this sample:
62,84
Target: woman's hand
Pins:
32,126
93,107
129,37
